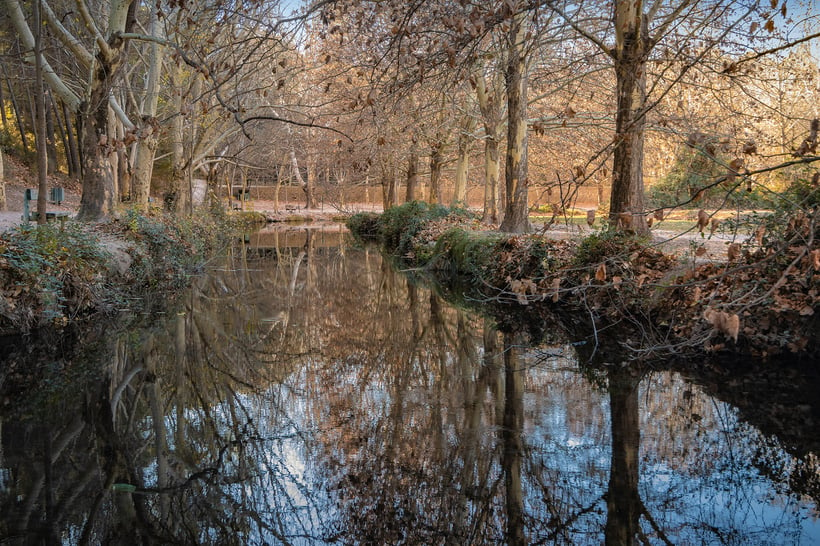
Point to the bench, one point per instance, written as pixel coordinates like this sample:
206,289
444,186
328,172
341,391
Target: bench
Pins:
30,196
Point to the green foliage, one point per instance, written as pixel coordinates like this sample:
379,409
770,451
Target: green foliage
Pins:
604,244
399,225
49,275
364,225
696,170
171,248
794,211
464,251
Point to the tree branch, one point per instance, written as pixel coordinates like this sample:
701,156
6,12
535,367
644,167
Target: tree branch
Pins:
787,45
69,97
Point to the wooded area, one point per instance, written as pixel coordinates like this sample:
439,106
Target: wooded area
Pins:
709,100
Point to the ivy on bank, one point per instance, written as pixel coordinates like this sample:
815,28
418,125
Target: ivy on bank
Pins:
50,276
762,301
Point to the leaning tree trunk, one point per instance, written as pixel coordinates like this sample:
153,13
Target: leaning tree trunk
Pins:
515,170
626,209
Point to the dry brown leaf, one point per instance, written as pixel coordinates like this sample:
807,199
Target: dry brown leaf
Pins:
600,273
641,279
733,251
658,214
759,233
700,251
590,217
815,259
732,326
807,311
625,220
714,226
703,220
725,323
556,283
616,282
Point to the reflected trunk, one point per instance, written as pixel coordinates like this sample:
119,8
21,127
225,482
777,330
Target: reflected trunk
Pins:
623,499
511,439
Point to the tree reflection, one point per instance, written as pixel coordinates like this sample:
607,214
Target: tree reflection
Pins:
312,394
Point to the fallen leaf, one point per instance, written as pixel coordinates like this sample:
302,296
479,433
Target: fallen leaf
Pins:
625,220
807,311
658,214
600,273
714,226
727,324
733,251
700,251
815,259
759,233
616,282
703,220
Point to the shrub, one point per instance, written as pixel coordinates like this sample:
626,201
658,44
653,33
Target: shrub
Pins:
399,225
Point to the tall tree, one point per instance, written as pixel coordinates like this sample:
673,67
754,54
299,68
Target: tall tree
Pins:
516,211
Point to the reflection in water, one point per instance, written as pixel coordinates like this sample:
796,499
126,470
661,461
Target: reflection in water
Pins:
304,392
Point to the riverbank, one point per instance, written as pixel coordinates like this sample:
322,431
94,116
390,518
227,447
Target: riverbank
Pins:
762,299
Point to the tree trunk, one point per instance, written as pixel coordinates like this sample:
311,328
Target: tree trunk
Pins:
72,150
310,182
389,190
99,183
100,193
40,125
148,131
465,138
412,170
489,102
436,164
3,204
492,170
180,195
51,142
516,211
626,203
16,107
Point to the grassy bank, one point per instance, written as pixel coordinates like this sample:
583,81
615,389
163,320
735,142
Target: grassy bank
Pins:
52,276
761,301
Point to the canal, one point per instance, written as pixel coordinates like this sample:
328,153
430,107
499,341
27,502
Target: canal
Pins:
304,391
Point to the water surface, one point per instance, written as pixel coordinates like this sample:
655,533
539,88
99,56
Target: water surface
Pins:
305,392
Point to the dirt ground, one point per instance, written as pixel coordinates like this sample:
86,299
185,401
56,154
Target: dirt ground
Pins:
673,242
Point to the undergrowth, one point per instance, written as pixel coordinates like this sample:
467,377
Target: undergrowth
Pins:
51,276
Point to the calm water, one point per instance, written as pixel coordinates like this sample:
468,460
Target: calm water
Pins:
304,392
